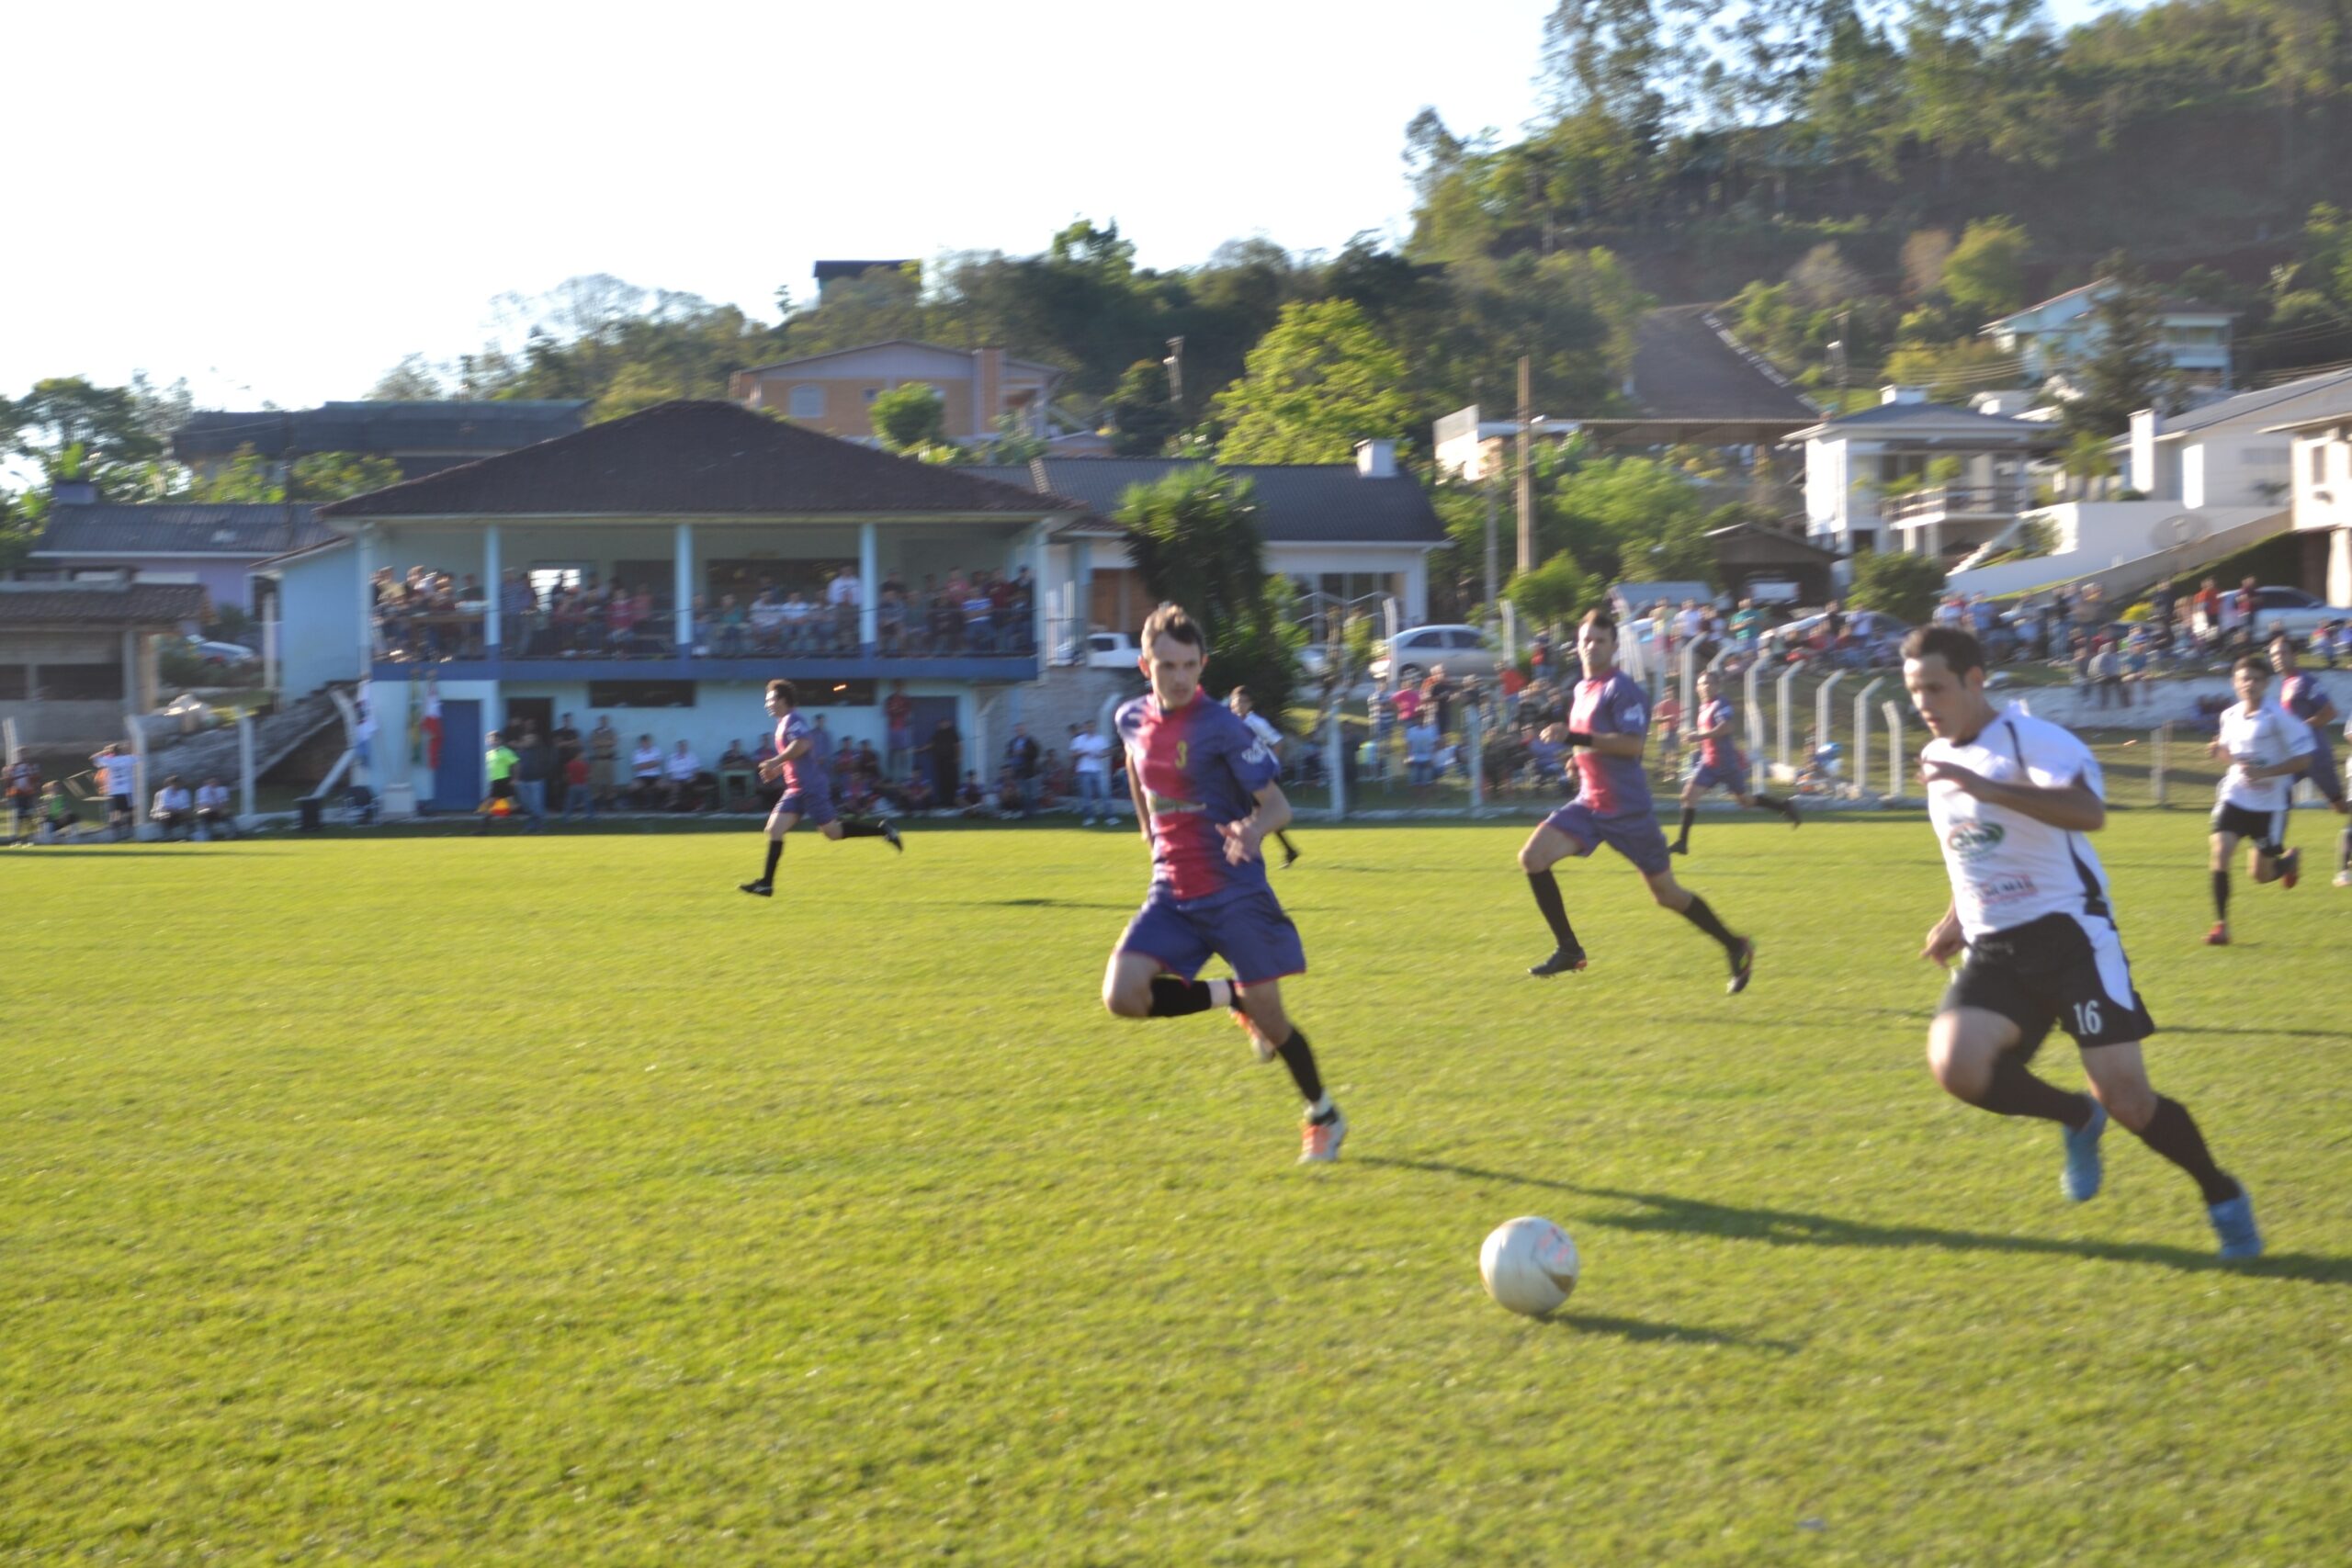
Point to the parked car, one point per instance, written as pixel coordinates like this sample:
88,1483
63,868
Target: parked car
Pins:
2297,613
225,654
1413,654
1103,650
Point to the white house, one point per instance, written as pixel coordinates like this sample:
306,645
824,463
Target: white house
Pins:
2234,452
2063,330
2321,461
1915,476
691,502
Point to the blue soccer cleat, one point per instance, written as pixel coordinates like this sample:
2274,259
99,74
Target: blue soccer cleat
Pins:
2233,1223
2084,1168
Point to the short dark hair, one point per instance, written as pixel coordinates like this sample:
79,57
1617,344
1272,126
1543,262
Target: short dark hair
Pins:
1602,618
2253,661
1169,620
1238,692
1960,650
791,694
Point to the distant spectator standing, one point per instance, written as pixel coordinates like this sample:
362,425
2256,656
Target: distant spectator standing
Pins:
579,795
1020,761
118,775
1091,762
946,759
23,778
532,765
603,759
897,718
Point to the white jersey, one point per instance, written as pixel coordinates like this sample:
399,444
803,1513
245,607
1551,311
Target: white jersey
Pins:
2262,739
1091,752
2008,869
121,771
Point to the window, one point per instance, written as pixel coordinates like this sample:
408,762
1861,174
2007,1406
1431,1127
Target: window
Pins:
641,693
1426,639
99,574
82,683
807,403
2319,462
546,577
1462,640
13,685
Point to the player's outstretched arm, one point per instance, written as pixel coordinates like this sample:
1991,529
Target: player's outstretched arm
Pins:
1945,939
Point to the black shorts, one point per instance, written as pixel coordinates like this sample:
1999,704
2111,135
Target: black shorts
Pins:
2056,970
502,789
120,803
2267,829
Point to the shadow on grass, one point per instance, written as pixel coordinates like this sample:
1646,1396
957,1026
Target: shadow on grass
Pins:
1789,1227
116,852
2162,1029
1044,904
1643,1333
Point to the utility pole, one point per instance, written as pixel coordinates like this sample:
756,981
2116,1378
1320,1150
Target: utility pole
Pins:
1493,588
1526,467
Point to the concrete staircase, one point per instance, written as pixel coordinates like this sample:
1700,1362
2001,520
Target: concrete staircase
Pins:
274,738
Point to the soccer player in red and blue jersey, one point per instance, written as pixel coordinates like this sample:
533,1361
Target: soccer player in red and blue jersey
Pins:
1206,797
1608,725
807,792
2303,696
1720,764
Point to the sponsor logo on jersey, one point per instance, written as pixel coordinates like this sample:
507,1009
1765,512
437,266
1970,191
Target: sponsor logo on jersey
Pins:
1970,839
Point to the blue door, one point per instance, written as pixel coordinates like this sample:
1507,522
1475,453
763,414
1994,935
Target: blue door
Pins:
458,781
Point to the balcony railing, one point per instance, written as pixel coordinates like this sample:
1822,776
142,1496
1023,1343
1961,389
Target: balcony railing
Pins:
1958,501
535,637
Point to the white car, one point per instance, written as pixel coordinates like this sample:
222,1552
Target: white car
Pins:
225,653
1104,650
1413,654
2293,611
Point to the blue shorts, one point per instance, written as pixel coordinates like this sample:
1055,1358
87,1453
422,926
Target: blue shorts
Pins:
812,803
2322,772
1638,838
1731,775
1249,932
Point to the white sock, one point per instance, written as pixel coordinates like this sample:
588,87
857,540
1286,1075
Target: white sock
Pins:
1321,1111
1221,993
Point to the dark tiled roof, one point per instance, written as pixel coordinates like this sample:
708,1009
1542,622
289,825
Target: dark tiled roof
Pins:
491,425
1297,502
103,604
695,459
1684,368
2032,430
240,532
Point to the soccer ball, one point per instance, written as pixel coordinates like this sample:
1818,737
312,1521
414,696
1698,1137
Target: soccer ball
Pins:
1529,1265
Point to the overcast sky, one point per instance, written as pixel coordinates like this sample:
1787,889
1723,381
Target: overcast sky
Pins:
279,201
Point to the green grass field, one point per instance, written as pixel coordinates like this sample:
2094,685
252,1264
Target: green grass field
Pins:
435,1200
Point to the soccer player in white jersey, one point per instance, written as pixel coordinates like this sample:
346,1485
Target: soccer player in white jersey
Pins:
2012,798
2268,748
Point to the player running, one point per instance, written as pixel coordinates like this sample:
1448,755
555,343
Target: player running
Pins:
1720,764
807,790
23,778
1244,708
1608,724
1206,797
2302,696
2267,748
2012,798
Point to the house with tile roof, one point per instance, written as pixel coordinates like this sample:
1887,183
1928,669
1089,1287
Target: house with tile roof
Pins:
78,659
2063,330
1911,475
212,546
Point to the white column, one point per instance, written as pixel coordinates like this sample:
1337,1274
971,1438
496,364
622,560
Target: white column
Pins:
869,589
1037,590
244,769
682,587
492,631
1081,610
367,548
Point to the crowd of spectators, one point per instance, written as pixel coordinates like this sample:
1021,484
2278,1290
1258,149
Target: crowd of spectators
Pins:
436,616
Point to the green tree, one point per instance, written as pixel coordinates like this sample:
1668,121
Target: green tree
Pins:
1635,518
1320,381
1142,416
2126,369
411,381
1554,593
910,419
104,433
1903,586
1197,542
315,476
1985,272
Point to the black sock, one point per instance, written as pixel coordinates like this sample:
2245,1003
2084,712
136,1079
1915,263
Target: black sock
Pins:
2173,1133
1300,1059
1547,898
1699,915
2014,1091
860,828
1690,815
776,853
1172,995
1772,803
2222,895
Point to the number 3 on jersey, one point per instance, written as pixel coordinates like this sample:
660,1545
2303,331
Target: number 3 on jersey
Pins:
2087,1018
1182,748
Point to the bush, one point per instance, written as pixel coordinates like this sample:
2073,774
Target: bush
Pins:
1906,587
